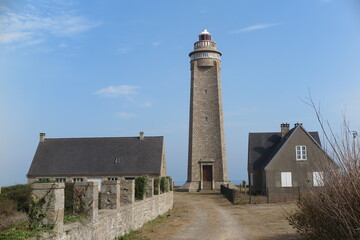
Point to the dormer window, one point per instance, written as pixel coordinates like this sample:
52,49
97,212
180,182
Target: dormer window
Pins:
301,153
117,160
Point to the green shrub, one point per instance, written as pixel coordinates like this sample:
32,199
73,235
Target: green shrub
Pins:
20,194
69,198
7,207
156,186
99,200
163,185
140,187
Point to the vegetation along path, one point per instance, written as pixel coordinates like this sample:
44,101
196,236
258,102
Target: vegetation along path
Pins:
208,215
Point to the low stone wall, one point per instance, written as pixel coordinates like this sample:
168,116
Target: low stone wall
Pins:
105,224
115,223
230,193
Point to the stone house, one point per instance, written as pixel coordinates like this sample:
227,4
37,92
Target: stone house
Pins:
97,159
284,162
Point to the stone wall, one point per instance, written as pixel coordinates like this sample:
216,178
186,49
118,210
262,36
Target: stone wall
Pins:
106,224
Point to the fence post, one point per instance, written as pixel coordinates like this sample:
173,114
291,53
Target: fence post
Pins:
299,193
127,191
110,194
53,194
150,188
250,194
267,195
86,198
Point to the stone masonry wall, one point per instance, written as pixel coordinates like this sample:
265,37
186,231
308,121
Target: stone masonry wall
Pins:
107,224
115,223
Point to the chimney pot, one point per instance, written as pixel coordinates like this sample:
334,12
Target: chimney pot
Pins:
298,124
42,137
284,129
141,135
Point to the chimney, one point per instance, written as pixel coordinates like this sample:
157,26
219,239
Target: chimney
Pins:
42,137
297,124
284,129
141,135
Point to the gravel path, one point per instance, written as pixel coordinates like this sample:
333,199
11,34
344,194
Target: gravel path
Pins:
211,218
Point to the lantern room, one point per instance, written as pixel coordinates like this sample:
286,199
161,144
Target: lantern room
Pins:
205,36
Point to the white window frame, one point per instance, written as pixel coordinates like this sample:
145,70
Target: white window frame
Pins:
75,180
301,153
286,179
60,180
318,179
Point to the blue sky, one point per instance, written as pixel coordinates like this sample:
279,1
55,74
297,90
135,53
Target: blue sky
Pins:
113,68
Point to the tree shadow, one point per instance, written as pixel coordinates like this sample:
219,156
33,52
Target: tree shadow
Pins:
287,236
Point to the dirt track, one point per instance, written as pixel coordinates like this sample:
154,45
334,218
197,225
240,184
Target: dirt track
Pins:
210,216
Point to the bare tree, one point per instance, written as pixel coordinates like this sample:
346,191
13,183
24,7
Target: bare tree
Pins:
333,211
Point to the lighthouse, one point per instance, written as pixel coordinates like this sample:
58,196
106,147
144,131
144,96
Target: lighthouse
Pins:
207,168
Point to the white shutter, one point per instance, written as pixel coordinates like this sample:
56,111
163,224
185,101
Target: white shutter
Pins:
318,179
286,180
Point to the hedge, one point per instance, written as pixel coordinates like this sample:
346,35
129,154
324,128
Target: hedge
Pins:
156,186
140,187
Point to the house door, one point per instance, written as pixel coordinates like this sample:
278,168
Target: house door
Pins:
207,177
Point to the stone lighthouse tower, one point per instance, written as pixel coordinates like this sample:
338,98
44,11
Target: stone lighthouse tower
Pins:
207,168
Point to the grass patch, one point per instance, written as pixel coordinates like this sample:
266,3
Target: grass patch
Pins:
76,217
149,227
133,235
16,234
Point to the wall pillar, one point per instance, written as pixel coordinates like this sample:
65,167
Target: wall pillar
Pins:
127,191
158,187
53,194
150,188
86,198
171,184
110,195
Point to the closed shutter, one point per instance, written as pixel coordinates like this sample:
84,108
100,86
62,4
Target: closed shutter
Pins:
286,180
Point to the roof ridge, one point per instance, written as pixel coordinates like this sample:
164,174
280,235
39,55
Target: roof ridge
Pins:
87,138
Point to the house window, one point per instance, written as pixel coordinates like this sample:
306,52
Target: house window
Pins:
44,179
78,180
318,179
60,180
117,160
301,153
286,180
112,178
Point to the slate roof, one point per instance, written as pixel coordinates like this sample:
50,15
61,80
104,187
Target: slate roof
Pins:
96,156
263,146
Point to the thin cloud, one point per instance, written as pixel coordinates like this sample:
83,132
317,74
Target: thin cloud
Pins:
122,50
253,28
240,111
35,23
125,115
62,45
146,104
155,44
114,91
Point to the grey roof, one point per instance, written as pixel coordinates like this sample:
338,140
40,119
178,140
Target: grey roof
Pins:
263,146
96,156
